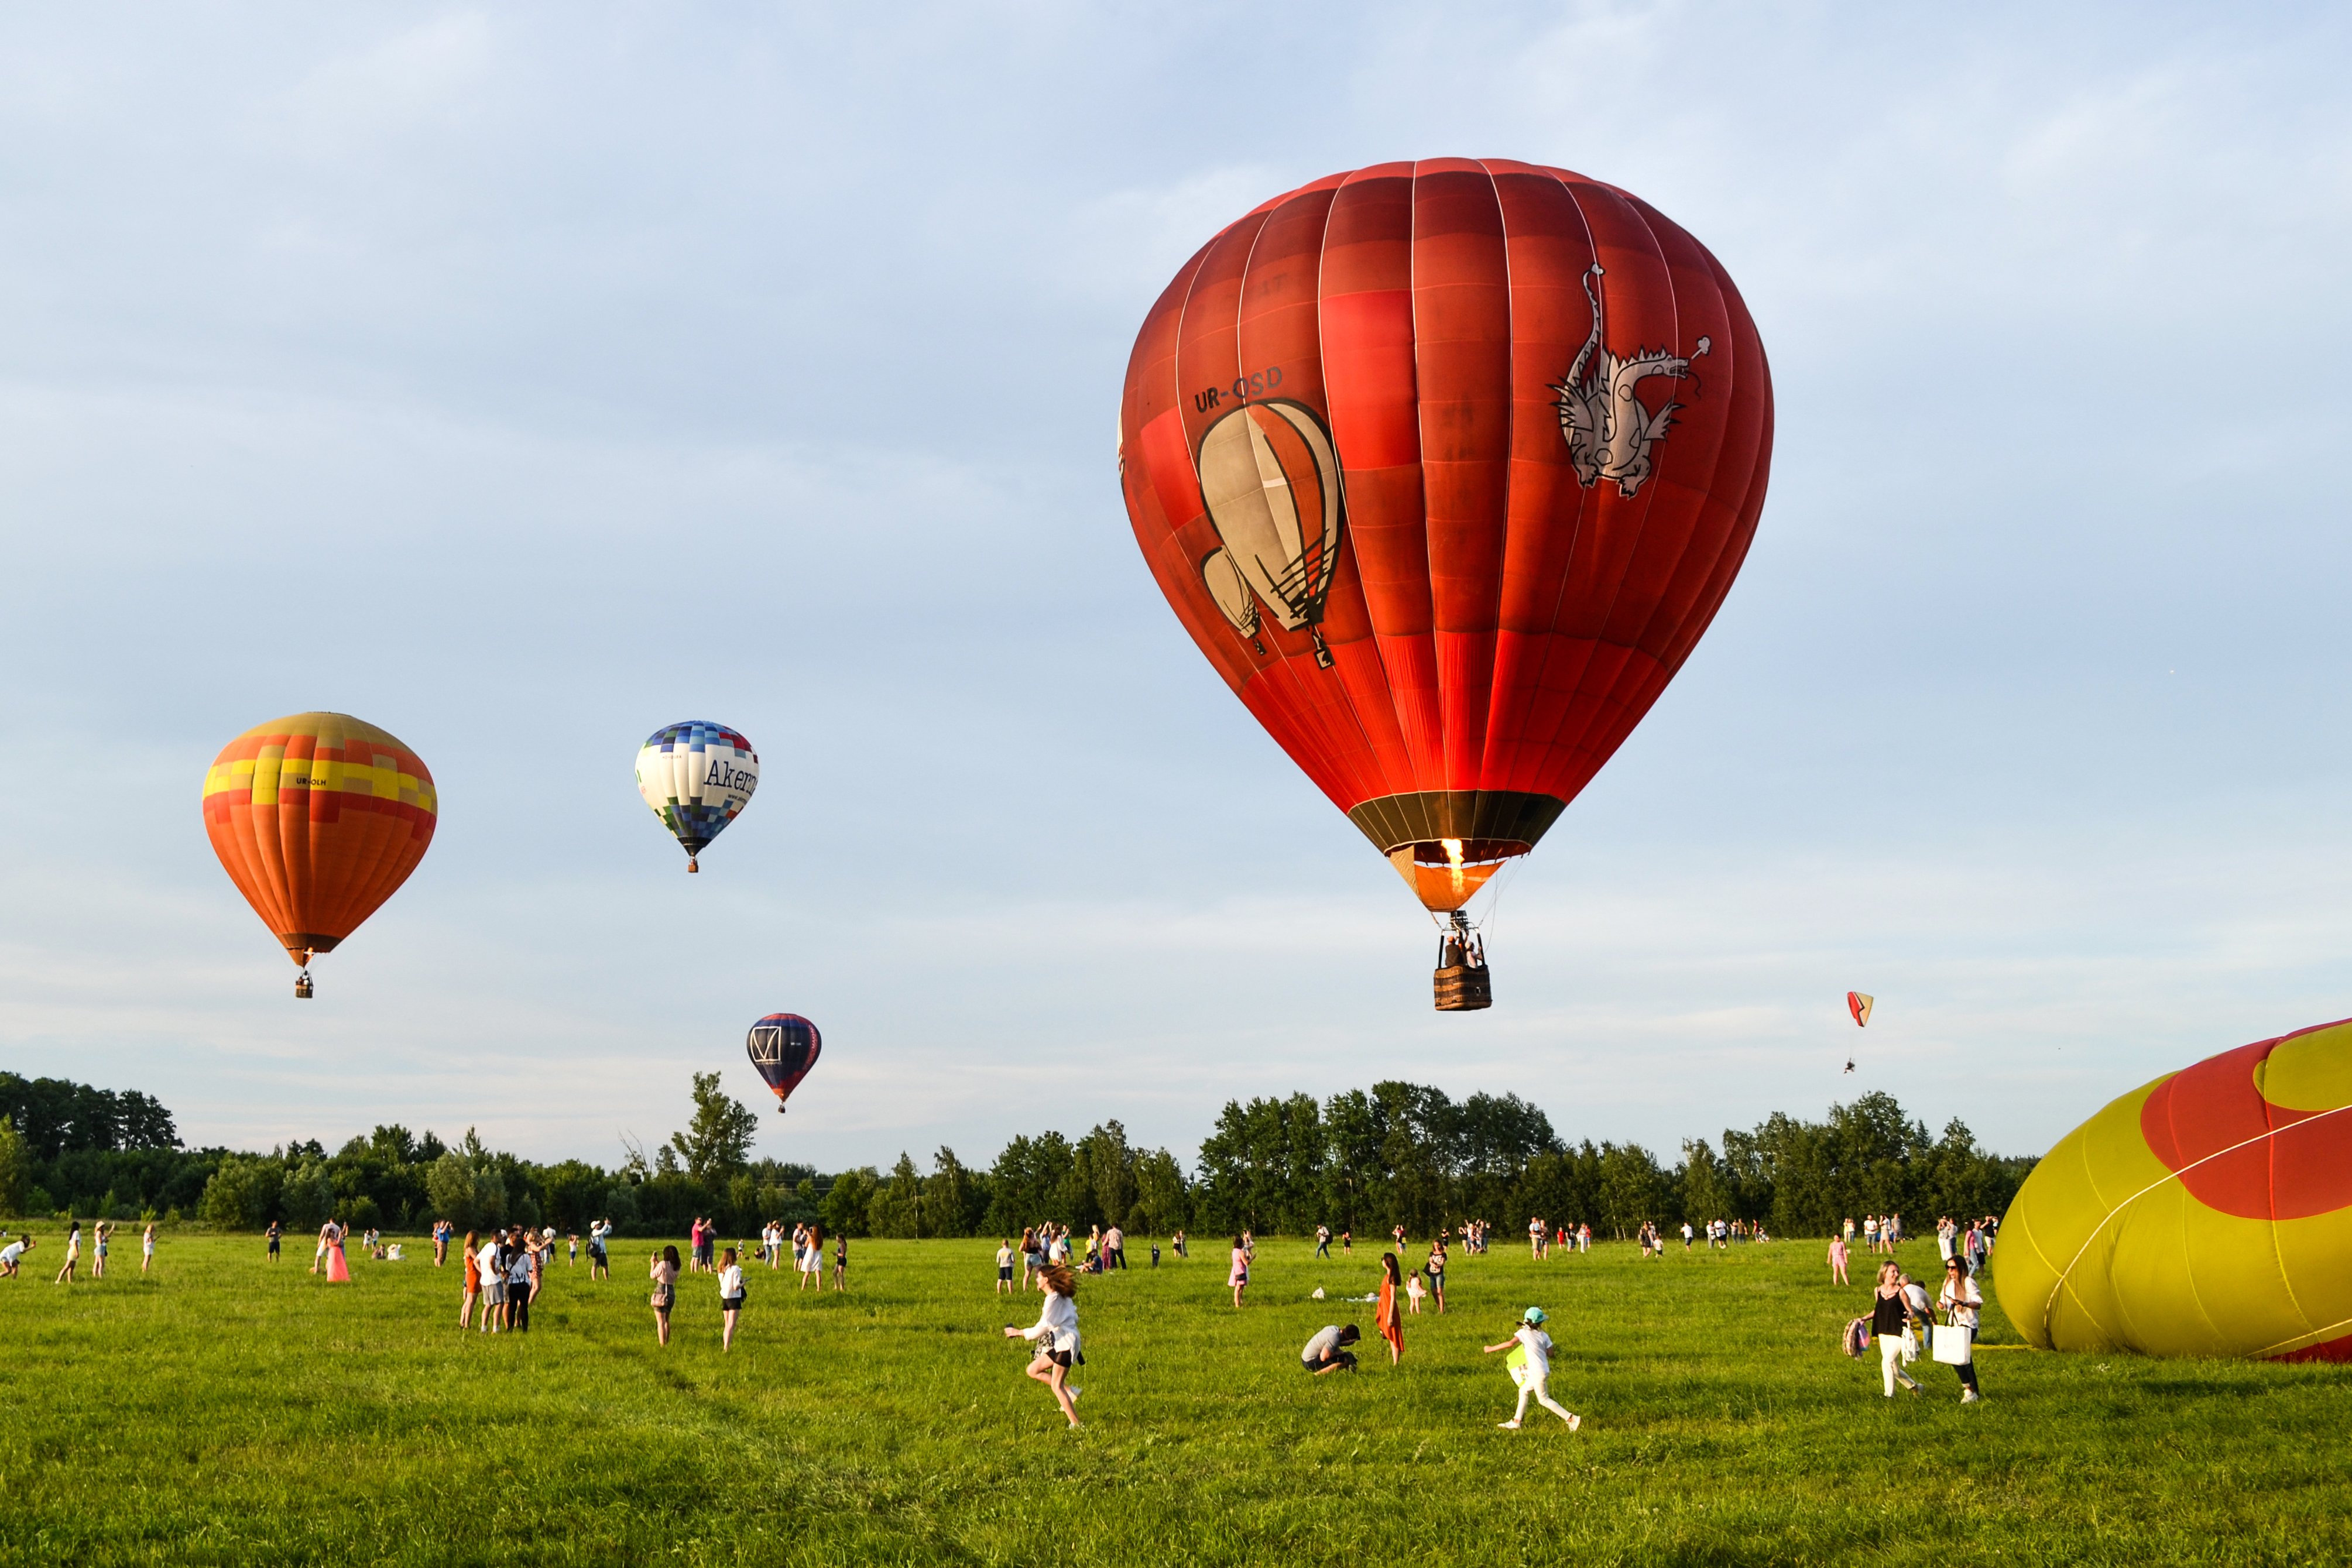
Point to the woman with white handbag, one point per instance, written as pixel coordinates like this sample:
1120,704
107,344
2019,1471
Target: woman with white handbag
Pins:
1890,1324
1956,1343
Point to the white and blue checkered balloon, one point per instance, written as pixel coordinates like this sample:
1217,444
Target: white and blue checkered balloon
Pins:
697,777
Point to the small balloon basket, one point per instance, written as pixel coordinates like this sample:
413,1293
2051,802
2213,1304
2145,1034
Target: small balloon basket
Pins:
1464,989
302,986
1462,982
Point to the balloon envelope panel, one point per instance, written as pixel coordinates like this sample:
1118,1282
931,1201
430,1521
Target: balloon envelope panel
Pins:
697,777
1446,467
318,818
784,1047
2208,1213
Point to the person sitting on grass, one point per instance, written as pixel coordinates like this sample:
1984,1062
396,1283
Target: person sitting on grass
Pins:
1057,1327
12,1254
1328,1352
1530,1368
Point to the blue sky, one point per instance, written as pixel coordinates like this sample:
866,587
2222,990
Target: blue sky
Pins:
522,378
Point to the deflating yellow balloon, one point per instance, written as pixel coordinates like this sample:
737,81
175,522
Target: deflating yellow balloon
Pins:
2209,1213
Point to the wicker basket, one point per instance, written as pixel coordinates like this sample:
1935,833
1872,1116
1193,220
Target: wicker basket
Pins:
1464,988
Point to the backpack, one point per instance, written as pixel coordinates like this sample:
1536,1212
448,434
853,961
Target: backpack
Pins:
1855,1341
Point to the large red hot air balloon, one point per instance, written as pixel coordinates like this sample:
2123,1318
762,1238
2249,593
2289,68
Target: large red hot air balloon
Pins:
1446,467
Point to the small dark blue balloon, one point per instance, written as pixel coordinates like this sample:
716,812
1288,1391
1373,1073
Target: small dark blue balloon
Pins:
784,1047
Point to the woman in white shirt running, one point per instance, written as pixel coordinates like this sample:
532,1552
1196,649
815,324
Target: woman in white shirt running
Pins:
1058,1326
1531,1366
730,1297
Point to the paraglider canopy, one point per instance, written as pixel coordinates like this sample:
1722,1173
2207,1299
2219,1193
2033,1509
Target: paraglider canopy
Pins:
1858,1003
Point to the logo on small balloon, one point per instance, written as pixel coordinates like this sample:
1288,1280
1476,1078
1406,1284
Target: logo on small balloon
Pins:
1609,429
1270,475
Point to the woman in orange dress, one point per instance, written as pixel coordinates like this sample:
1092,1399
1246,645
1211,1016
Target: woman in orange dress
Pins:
473,1282
339,1272
1384,1316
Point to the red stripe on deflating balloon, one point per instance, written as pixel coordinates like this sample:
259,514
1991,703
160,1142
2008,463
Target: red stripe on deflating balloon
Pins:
2238,1152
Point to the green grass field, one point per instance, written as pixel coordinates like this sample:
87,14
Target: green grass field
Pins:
225,1411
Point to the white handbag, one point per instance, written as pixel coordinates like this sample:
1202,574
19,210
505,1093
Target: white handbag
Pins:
1910,1343
1952,1344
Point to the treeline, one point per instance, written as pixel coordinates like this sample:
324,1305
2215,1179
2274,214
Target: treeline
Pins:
1364,1160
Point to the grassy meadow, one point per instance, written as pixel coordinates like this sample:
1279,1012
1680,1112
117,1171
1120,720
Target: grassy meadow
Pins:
222,1410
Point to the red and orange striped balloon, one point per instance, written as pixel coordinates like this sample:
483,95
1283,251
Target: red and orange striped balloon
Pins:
318,819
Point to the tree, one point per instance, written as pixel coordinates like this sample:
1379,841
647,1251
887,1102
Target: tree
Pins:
897,1210
308,1198
1707,1192
1160,1194
15,1168
947,1196
242,1193
1108,1168
718,1140
1632,1187
465,1190
844,1208
1026,1184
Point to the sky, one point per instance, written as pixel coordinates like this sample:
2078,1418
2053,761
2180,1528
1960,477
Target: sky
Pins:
523,378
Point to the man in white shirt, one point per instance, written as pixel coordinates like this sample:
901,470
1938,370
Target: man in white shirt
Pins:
1328,1352
494,1286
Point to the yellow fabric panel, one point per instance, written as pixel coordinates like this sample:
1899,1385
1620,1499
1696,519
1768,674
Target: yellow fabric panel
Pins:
2056,1230
2311,1072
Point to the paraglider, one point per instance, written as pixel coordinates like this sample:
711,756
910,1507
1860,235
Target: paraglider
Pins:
2208,1213
697,776
1446,467
318,819
1859,1004
784,1047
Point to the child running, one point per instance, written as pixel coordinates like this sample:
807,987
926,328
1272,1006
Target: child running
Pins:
147,1248
1058,1326
1530,1367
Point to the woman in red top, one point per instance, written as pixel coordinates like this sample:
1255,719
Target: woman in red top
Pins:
1384,1316
473,1280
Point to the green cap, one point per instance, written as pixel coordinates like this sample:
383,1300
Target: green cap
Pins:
1533,1315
